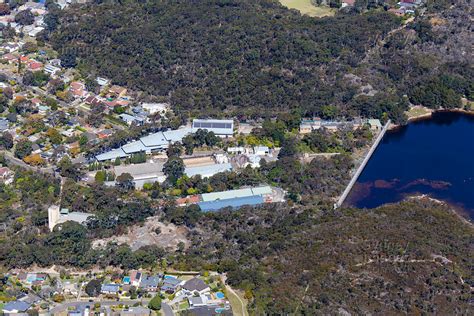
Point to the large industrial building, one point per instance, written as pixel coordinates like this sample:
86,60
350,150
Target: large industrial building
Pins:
161,140
234,199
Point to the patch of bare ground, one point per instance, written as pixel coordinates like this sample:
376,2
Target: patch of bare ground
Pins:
152,232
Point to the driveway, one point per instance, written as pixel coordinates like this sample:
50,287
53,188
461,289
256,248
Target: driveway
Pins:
167,309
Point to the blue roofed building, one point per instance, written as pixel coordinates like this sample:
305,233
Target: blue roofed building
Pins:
235,203
234,198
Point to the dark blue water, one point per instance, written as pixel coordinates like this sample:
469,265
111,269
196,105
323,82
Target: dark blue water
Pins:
433,157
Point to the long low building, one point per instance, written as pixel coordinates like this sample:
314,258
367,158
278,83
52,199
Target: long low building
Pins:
214,201
221,128
161,140
207,170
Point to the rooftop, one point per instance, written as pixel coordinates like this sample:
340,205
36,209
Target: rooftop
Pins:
207,171
235,203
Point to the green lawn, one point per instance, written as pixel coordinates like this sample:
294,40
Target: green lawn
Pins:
184,305
417,111
306,7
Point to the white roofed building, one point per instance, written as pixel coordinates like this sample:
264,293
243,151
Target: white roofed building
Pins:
223,128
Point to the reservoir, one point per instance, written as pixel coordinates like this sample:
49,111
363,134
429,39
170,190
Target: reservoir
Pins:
434,157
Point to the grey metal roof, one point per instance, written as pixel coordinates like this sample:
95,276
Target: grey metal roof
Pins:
223,195
177,135
195,284
77,217
262,190
150,281
130,118
113,154
3,124
155,139
207,171
134,147
219,127
16,306
111,288
171,281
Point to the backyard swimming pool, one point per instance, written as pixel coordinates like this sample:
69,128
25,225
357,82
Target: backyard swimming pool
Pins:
220,295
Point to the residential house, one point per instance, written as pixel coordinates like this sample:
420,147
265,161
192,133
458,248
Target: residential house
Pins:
94,100
135,278
34,65
51,69
308,125
78,89
15,307
150,283
35,31
130,119
261,150
36,102
196,285
110,288
118,91
196,301
236,150
102,81
170,285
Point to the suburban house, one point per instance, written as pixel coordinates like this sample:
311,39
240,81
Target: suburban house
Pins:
135,278
150,283
170,285
110,288
130,119
102,81
15,307
261,150
196,285
118,91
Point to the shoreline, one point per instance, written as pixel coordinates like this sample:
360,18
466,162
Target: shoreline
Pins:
428,115
452,209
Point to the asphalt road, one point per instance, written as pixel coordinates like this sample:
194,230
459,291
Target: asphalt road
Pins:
167,309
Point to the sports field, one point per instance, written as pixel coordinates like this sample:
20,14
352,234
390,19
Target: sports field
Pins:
306,7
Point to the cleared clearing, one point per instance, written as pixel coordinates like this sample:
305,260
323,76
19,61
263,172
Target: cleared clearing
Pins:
306,7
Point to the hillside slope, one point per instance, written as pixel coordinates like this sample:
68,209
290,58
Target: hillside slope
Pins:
407,258
254,57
